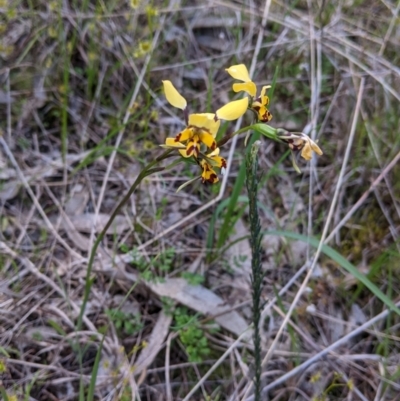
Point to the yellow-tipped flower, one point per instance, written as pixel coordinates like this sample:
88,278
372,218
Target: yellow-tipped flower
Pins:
201,128
240,73
210,161
300,141
310,147
260,106
260,103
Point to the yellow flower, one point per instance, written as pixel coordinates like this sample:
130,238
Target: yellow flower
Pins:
240,73
201,128
210,161
260,106
260,103
309,147
300,141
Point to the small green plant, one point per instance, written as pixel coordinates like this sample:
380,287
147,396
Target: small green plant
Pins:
155,268
193,278
127,394
191,335
126,323
168,305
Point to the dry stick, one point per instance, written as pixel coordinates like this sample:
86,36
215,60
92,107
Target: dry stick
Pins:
363,197
8,100
294,24
317,348
364,116
34,199
344,340
215,366
124,122
17,243
148,170
324,233
32,268
390,28
370,72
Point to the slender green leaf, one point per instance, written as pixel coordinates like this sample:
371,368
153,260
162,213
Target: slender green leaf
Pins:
342,261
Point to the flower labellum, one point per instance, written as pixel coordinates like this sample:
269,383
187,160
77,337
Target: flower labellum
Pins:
259,104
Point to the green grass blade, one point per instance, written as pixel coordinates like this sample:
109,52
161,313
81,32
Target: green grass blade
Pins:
342,261
92,384
3,393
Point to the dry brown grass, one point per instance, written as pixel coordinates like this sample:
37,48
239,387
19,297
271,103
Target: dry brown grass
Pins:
82,112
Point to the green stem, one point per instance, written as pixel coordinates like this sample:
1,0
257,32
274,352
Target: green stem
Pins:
257,274
148,170
228,137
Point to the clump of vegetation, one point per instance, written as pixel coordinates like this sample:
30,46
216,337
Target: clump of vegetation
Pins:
191,335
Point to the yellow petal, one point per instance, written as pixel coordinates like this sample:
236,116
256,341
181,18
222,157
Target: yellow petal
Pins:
214,153
263,96
208,140
239,72
173,96
316,148
306,152
249,87
183,136
214,159
218,161
193,147
172,143
208,173
205,121
264,115
233,110
263,90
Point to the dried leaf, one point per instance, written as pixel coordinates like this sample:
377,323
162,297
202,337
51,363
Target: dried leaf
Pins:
202,300
155,342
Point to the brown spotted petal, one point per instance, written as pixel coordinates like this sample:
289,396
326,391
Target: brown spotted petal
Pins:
300,141
208,174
